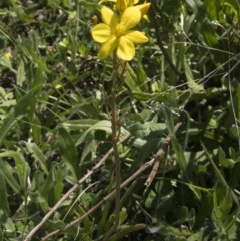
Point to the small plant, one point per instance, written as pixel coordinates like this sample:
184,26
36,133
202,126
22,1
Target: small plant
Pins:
118,39
119,120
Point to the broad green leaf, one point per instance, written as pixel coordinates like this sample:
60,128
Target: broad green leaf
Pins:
184,215
23,106
106,212
232,9
195,87
131,79
21,75
38,155
8,173
195,5
218,173
47,188
141,77
4,205
40,201
164,198
22,167
180,156
197,236
36,127
123,215
69,152
35,57
126,229
212,9
58,178
78,124
209,35
238,103
223,160
90,148
103,125
4,61
223,201
165,96
234,176
19,12
10,226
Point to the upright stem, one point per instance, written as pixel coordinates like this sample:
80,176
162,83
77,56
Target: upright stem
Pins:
116,125
115,134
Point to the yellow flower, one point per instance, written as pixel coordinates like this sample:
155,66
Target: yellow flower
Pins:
144,8
127,3
115,33
8,55
121,5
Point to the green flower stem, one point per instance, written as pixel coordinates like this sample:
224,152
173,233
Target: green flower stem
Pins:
115,133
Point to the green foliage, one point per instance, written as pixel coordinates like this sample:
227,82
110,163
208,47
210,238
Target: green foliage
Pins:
55,124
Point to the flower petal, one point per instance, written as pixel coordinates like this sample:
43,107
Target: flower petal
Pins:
107,48
131,17
143,8
146,18
101,32
109,17
136,37
125,49
121,5
103,1
131,2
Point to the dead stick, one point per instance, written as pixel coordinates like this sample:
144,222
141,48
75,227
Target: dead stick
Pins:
98,205
159,156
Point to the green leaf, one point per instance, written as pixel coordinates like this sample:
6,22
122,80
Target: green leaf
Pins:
4,61
27,48
103,125
8,173
78,124
52,188
38,155
58,177
21,75
22,168
195,5
125,230
23,106
195,87
4,205
166,96
223,202
69,152
131,79
234,176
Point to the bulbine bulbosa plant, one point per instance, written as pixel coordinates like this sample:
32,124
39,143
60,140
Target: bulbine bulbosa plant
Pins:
117,37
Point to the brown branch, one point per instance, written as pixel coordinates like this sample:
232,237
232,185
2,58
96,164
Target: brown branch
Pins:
70,191
153,172
106,198
160,155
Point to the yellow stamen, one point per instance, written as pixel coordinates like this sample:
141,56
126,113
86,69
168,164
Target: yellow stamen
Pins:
120,29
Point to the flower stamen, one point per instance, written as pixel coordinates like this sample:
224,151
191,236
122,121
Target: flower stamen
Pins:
120,30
